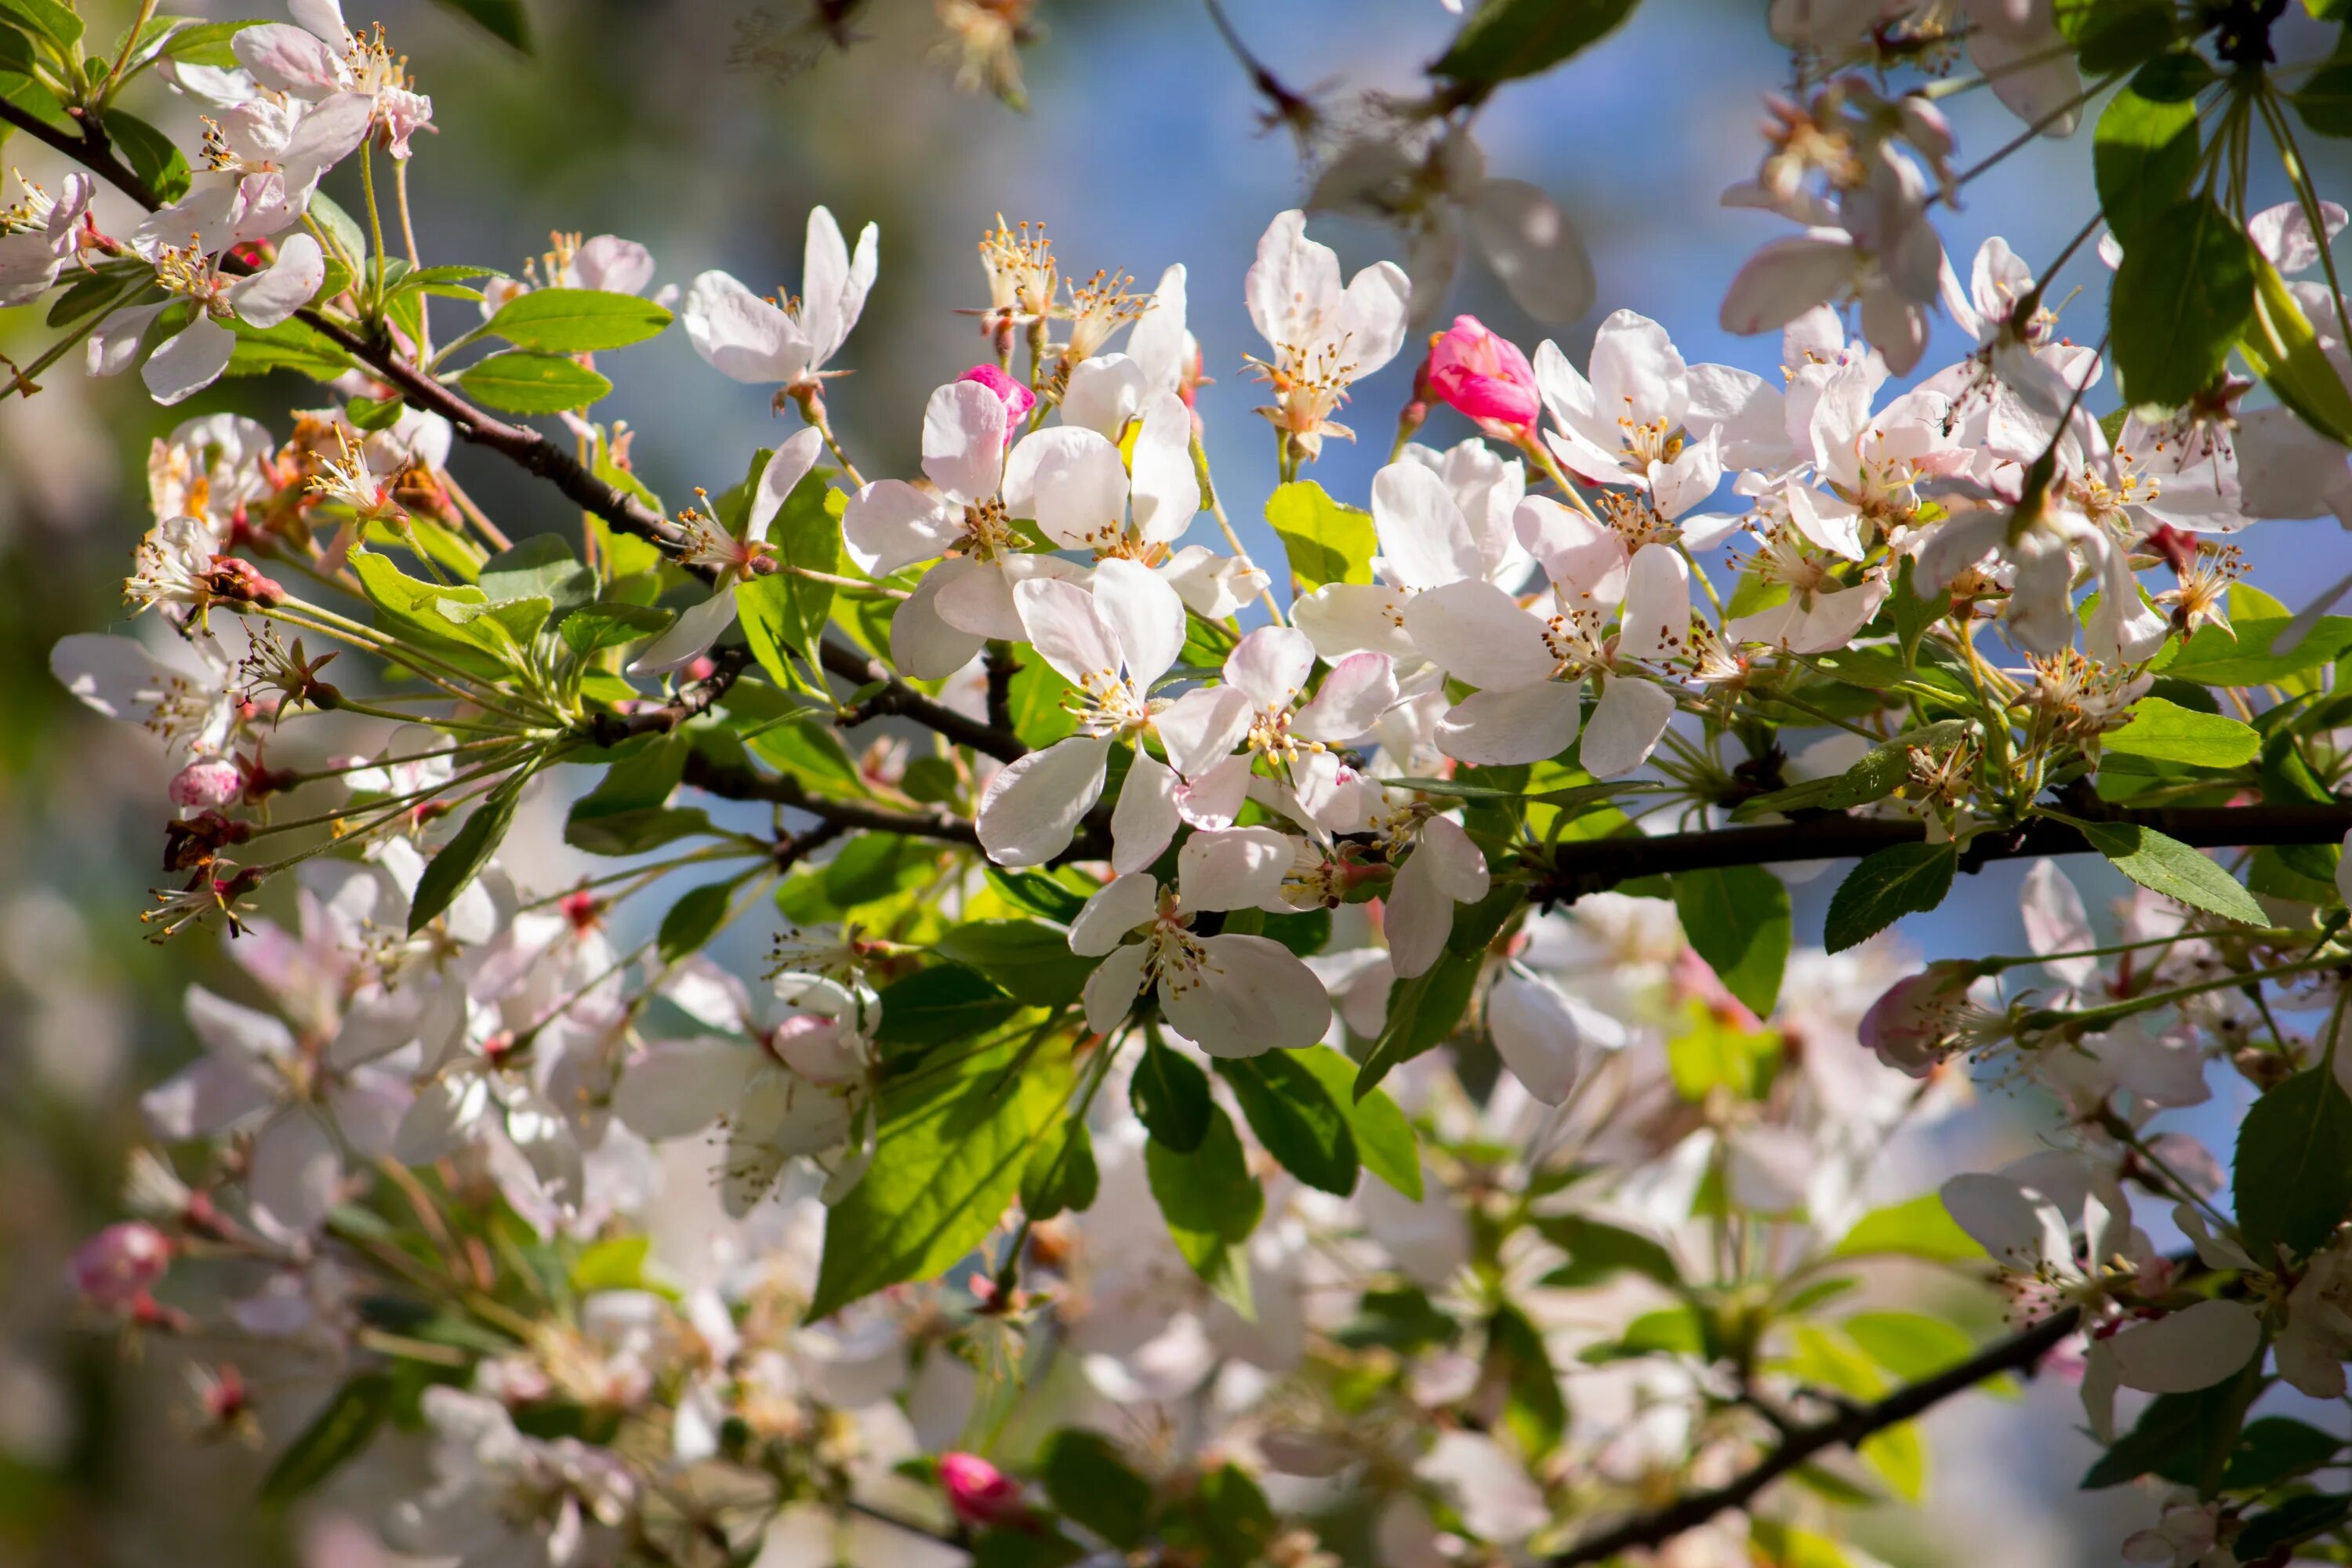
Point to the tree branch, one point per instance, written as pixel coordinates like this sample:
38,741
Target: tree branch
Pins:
732,781
2019,1353
1596,865
899,698
92,149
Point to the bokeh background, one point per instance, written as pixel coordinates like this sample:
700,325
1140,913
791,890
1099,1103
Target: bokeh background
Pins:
1142,146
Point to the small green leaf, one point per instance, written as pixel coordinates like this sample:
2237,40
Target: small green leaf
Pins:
2183,295
519,382
1031,962
1037,892
1911,1345
2114,35
2168,732
1917,1227
936,1004
1599,1252
1171,1096
1089,1480
334,1436
2325,100
1297,1119
1422,1011
693,921
591,628
2293,1177
1061,1173
1508,38
1384,1136
150,154
2273,1448
2171,1439
1327,542
2290,1524
540,567
1900,880
452,870
577,320
207,44
2168,866
2215,657
1212,1204
1737,917
44,19
2144,154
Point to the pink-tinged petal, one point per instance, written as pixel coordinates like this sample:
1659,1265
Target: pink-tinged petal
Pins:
1271,666
1111,990
825,275
1237,868
1626,723
114,347
269,298
1534,249
1201,728
2194,1348
1116,908
1145,820
296,1170
740,335
1424,538
785,469
1746,415
2057,921
681,1087
890,524
2282,233
1341,619
1251,996
1335,796
1032,807
964,427
1212,799
1656,624
1071,481
1586,562
610,265
688,636
1061,621
237,1033
1476,631
2033,72
1504,729
189,362
2016,1226
288,59
922,644
1167,488
208,1097
1144,614
1361,688
1825,519
1787,277
324,136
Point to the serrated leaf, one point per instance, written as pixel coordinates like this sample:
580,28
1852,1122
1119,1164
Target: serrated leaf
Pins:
2166,865
2168,732
1737,917
2292,1178
158,163
517,381
1900,880
577,320
44,19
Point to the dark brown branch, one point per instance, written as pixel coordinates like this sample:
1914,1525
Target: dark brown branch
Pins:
691,702
734,782
897,698
91,149
1599,864
2019,1353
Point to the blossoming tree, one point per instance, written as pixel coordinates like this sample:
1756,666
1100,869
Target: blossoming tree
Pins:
1287,1061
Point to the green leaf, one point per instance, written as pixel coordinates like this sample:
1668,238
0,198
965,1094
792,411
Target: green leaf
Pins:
940,1004
1737,917
2172,1438
207,44
334,1436
1037,892
1599,1252
616,1263
453,870
150,154
2215,657
1534,1411
1089,1480
1384,1136
519,382
505,20
1061,1173
2184,293
2114,35
1900,880
591,628
783,609
693,921
1917,1227
2289,1525
289,345
1031,962
2325,100
540,567
2283,350
1899,1457
1710,1053
1296,1118
1171,1096
1507,38
2276,1447
1212,1204
1422,1011
952,1144
2170,733
634,832
1327,542
1038,705
44,19
1911,1345
577,320
2143,153
2168,866
2292,1178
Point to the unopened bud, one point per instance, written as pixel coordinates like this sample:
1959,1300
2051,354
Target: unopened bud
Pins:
116,1268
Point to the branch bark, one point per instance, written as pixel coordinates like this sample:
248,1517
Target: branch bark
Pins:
2019,1353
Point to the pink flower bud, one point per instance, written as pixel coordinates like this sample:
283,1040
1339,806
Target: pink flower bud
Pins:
1485,376
1018,400
979,1492
207,783
1912,1027
115,1268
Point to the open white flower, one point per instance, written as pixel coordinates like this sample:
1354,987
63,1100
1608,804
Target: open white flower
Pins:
193,358
32,256
1324,338
753,340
